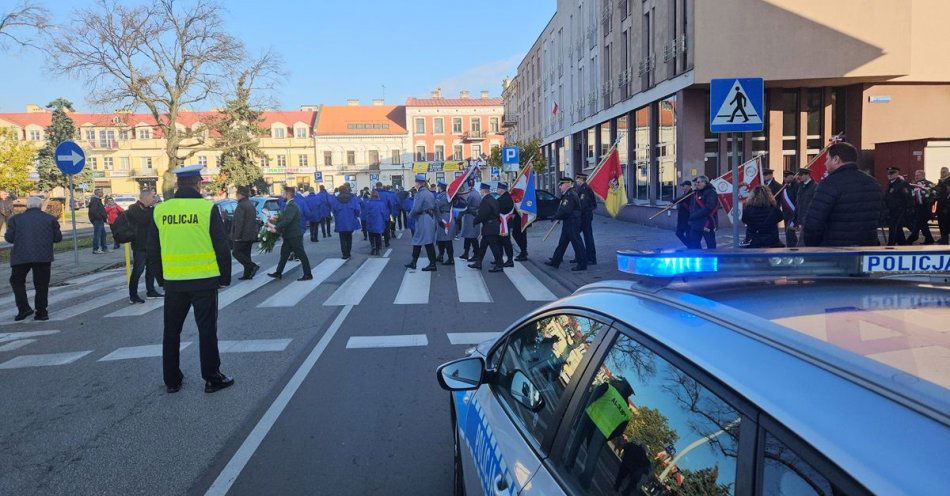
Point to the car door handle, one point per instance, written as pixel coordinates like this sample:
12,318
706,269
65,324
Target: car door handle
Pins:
501,485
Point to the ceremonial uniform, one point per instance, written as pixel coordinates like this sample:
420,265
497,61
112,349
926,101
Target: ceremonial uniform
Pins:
324,211
943,209
786,200
469,230
506,207
488,219
315,219
445,230
923,192
188,250
804,194
422,216
569,213
899,208
588,203
376,220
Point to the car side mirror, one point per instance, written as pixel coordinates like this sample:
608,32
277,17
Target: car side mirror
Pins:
525,392
462,375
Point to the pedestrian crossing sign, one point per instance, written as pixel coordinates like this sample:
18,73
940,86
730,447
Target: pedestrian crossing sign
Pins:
736,105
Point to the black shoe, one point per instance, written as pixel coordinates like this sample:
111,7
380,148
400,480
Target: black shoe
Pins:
477,266
509,263
574,261
244,278
552,264
135,299
578,268
275,275
464,256
449,262
218,383
41,316
430,268
592,262
254,271
174,388
306,278
495,268
411,265
154,294
22,315
521,258
387,245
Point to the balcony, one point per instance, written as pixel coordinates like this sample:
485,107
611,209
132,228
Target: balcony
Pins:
624,9
142,172
102,144
509,120
474,136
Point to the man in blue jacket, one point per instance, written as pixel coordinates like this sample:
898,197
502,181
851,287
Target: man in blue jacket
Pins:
32,234
346,213
314,208
325,211
386,197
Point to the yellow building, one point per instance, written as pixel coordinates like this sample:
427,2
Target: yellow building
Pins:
126,151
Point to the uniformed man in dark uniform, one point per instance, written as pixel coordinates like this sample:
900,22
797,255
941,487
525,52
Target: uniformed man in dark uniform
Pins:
924,194
188,250
682,211
768,178
506,206
943,205
899,207
569,213
804,194
588,203
786,199
488,218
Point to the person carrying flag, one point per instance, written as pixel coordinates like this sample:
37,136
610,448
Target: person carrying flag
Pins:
469,230
488,217
506,208
445,231
702,215
569,213
588,204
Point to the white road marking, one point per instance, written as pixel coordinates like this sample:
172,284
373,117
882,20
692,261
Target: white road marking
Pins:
15,345
97,275
399,234
297,290
414,288
253,345
81,308
147,351
471,337
471,285
153,304
237,463
243,288
386,255
13,336
351,292
63,293
43,360
400,341
527,284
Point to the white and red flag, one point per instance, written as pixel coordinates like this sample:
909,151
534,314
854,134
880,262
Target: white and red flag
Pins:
750,176
817,165
457,183
524,197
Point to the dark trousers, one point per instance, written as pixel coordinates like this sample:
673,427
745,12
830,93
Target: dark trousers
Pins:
41,273
943,220
294,245
325,224
446,248
376,242
506,247
315,231
570,234
98,236
242,253
682,232
696,237
470,242
387,231
430,253
587,230
177,304
490,241
346,243
921,225
140,265
115,242
519,235
895,232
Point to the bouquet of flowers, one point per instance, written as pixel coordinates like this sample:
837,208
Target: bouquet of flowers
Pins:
268,236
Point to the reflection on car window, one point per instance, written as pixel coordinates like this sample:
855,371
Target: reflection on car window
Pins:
547,352
787,474
648,428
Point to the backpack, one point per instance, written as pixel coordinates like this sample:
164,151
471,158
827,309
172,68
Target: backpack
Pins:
122,229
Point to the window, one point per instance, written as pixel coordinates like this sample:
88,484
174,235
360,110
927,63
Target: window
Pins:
145,133
93,162
123,134
642,156
814,120
219,161
647,425
789,107
278,132
785,472
90,135
420,153
457,152
420,125
396,159
124,163
146,162
666,149
282,161
328,158
438,126
203,160
300,132
542,356
350,157
372,157
476,151
439,153
106,138
457,125
476,125
493,125
839,112
107,163
36,135
303,161
265,161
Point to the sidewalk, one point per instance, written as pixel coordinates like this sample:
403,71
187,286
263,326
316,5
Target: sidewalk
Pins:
65,268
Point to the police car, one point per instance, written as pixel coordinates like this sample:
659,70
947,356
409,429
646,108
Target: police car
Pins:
751,372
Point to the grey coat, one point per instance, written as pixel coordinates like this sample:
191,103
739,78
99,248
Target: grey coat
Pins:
444,208
244,226
32,234
469,229
423,208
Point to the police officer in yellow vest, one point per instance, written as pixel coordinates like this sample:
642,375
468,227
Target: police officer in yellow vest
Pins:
188,250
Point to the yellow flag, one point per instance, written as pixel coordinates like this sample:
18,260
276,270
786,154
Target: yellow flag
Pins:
616,196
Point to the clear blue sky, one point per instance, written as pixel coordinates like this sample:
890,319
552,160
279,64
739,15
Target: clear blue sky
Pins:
334,50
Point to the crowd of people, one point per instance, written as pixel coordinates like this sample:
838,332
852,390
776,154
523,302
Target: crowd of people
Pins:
847,207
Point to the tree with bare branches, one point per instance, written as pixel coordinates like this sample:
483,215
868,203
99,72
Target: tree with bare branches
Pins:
22,24
167,56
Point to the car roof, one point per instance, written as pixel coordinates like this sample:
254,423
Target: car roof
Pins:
864,414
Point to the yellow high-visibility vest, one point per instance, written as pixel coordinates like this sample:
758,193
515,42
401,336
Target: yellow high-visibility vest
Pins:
184,232
609,411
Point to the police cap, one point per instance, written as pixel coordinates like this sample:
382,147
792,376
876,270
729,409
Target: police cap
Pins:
502,185
803,172
891,170
485,186
188,171
566,179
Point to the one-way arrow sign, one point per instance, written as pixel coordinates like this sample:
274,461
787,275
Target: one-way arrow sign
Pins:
70,158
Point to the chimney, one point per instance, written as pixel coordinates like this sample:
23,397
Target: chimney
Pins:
32,108
353,102
485,95
464,94
377,102
437,93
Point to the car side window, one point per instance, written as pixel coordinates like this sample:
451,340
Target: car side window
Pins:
646,427
537,365
786,473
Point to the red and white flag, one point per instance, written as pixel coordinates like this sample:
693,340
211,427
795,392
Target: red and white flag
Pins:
817,165
459,181
750,176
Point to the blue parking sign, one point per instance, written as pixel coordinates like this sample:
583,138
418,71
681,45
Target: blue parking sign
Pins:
736,105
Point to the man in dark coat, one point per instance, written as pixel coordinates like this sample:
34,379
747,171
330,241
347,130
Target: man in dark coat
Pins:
768,179
569,213
943,205
32,234
245,230
682,211
288,225
899,207
141,217
703,220
804,194
588,204
487,217
787,200
924,194
506,207
846,208
97,216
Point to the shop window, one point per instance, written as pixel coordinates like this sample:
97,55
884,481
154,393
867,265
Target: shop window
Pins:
666,149
788,104
814,121
641,186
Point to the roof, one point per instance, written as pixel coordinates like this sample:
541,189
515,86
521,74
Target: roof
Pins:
454,102
352,120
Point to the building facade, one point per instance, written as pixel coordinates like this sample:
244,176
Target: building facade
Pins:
636,73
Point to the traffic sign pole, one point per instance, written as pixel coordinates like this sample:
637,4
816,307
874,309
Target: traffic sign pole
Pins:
72,208
735,188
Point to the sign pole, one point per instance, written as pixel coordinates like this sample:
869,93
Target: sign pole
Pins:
72,209
735,188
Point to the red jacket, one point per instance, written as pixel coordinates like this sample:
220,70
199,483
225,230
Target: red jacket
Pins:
112,212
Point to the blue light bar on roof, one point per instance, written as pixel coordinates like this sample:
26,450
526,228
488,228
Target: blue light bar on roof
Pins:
666,266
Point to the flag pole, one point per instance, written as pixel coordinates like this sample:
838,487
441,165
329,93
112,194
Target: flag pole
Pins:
668,207
553,225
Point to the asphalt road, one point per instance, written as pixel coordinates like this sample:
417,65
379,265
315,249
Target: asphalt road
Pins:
335,392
